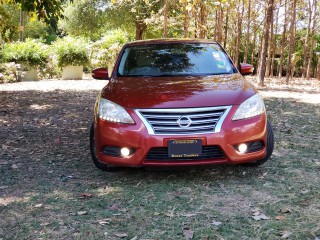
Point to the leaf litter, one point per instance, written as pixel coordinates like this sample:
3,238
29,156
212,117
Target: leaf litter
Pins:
33,144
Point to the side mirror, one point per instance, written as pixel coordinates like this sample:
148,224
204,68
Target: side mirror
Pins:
100,74
246,69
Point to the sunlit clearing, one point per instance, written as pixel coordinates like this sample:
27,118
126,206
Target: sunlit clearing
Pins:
40,107
60,195
300,97
8,200
49,86
3,121
108,190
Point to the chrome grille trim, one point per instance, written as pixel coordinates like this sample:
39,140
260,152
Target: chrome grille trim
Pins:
164,121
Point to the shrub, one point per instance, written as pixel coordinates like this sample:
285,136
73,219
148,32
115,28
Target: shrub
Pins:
104,52
32,53
9,72
50,70
71,51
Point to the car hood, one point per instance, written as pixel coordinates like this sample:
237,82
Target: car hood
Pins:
178,92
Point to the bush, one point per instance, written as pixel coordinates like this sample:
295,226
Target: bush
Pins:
50,70
32,53
9,72
71,51
105,51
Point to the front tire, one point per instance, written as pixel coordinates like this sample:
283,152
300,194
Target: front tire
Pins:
270,146
101,166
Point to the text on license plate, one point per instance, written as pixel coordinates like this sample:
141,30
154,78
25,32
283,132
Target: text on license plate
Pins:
184,148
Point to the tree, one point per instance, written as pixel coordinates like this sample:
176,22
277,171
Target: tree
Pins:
239,30
4,17
268,19
84,18
283,39
49,11
313,36
165,22
9,24
245,59
138,13
291,41
307,41
185,9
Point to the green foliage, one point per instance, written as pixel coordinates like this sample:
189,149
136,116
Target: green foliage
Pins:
71,51
9,23
36,29
3,17
9,72
133,14
48,11
33,28
83,18
105,51
31,52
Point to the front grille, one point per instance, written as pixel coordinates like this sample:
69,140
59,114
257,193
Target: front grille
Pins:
208,152
166,121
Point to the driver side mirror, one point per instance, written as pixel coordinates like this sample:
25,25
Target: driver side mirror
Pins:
246,69
100,74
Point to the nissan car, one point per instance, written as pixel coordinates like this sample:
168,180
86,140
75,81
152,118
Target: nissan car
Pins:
178,102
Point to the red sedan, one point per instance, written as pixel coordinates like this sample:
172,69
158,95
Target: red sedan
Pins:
174,102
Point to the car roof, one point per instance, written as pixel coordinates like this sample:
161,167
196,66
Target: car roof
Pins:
168,40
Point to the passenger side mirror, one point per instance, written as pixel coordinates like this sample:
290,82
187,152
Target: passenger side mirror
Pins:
246,69
100,74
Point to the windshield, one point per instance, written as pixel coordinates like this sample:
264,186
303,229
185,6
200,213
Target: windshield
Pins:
175,60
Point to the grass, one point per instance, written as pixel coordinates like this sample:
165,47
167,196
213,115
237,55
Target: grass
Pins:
45,166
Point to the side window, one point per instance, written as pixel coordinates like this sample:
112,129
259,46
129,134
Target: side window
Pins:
123,66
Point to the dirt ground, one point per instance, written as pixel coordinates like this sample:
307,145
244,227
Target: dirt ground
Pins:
45,168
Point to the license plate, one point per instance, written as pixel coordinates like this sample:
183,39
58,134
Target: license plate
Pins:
184,148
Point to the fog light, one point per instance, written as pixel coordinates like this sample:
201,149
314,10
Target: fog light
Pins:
242,147
125,152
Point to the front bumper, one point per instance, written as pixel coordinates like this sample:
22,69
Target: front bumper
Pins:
136,137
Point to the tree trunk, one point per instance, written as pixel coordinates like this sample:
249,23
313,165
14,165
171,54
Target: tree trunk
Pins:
238,39
274,42
313,35
140,28
318,68
186,20
306,42
268,63
203,19
260,46
253,54
226,26
283,39
165,20
219,21
291,42
248,33
21,29
265,42
216,25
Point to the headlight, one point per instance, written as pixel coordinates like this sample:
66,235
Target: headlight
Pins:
251,107
113,112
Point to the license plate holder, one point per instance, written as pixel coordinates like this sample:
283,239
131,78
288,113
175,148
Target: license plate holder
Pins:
184,148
